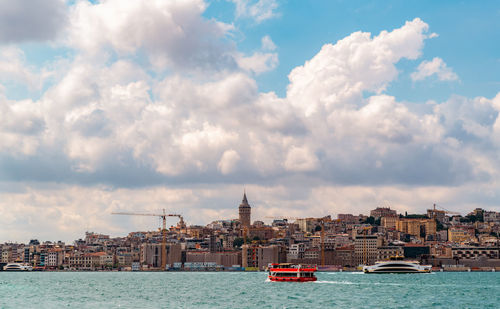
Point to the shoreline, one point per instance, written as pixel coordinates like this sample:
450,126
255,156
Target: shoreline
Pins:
232,271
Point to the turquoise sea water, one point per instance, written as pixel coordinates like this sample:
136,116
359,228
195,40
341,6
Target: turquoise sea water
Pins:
246,290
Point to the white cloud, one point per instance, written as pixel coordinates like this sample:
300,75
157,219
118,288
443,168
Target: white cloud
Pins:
301,159
267,43
173,33
258,62
66,212
14,69
259,10
21,124
337,135
31,20
340,73
180,127
228,162
434,67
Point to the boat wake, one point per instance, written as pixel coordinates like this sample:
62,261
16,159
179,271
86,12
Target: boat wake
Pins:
335,282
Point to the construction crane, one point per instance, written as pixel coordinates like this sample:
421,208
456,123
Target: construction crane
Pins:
442,210
181,224
281,218
434,212
322,222
322,236
163,216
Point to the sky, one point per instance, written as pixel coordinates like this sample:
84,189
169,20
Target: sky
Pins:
313,108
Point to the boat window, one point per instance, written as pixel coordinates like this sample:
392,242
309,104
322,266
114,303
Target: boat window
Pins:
396,265
396,270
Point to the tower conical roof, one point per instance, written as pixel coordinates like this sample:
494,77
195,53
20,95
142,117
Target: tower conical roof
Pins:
244,202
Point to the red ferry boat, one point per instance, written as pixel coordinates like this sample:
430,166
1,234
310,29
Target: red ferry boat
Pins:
292,272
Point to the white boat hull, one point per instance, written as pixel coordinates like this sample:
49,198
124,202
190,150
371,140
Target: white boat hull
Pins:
397,267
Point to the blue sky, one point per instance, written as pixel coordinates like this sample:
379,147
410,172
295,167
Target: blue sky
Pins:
315,107
468,39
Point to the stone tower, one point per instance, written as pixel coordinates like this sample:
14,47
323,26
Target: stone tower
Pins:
245,211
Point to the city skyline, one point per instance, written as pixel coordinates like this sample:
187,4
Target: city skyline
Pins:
246,221
439,237
314,109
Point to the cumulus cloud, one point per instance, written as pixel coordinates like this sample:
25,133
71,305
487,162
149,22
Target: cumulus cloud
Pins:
174,33
105,117
341,72
434,67
258,62
15,70
267,43
109,122
228,162
258,10
301,159
21,124
31,20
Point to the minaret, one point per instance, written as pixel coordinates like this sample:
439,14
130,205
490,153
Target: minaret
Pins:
245,211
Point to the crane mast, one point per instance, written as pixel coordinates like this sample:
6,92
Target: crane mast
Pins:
163,216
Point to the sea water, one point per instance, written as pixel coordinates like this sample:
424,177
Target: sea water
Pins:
247,290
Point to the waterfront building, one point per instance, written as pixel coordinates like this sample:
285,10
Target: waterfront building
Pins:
6,254
106,260
260,256
124,259
344,256
475,252
55,257
84,261
151,254
365,249
226,259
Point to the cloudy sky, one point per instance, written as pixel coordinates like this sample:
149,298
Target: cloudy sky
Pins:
314,107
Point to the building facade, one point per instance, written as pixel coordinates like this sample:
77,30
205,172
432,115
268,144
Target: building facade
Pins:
365,249
380,212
